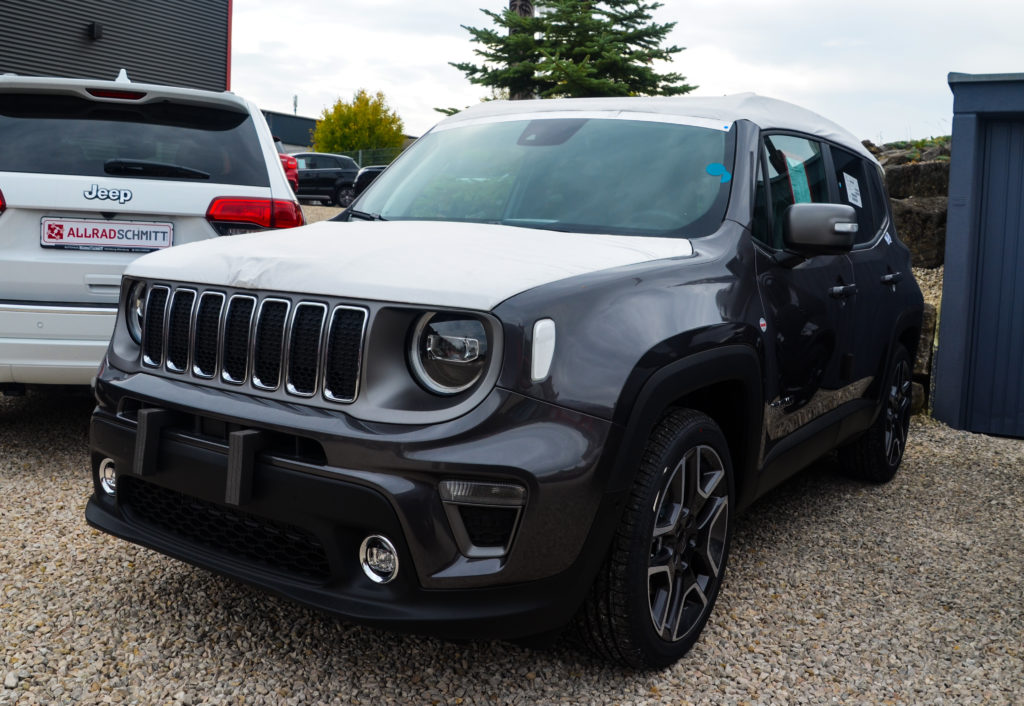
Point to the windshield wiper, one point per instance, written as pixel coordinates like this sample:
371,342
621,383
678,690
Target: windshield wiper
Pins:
364,216
140,167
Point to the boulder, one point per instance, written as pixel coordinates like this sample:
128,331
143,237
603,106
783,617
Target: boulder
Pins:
918,179
921,225
923,361
917,399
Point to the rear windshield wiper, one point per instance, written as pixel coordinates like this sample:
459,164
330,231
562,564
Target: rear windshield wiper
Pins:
141,167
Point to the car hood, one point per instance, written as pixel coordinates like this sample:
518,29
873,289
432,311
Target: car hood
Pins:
466,265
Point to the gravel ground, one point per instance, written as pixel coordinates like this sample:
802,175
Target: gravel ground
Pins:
837,592
312,214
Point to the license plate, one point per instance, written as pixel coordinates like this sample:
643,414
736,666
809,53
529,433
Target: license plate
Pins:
94,234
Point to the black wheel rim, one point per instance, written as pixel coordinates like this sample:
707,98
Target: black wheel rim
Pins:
688,542
897,413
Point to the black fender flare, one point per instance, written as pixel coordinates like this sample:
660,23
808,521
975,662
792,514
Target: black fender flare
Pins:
728,363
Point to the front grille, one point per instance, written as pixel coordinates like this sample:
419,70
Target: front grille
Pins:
236,338
153,329
204,353
278,546
272,344
178,330
267,351
305,349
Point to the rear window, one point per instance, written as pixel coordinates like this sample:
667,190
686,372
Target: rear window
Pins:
48,134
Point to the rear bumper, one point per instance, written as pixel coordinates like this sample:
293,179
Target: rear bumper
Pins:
53,344
359,480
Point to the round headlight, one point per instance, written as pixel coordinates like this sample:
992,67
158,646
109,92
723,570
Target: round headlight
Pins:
449,352
135,310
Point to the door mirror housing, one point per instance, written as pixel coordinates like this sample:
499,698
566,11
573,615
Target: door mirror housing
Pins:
819,228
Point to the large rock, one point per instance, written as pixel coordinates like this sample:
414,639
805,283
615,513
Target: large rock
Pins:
917,180
921,225
923,361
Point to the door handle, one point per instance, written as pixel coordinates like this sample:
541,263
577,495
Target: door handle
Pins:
892,278
842,291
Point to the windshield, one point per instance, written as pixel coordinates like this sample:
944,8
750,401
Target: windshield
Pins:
59,134
596,175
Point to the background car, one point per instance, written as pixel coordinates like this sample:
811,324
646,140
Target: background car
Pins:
366,176
93,173
326,177
290,165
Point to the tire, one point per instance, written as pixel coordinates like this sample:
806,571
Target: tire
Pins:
875,457
343,196
667,561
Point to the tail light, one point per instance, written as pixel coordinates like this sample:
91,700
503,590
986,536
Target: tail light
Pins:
235,215
3,204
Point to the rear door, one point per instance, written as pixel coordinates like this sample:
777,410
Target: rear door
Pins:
881,280
92,182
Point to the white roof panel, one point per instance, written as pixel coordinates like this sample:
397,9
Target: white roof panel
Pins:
766,113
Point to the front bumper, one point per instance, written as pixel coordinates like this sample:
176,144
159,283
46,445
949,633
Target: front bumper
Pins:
320,482
53,344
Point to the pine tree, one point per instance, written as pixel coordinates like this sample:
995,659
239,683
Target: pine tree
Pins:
576,48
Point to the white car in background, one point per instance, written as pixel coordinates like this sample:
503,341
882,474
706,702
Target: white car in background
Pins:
95,173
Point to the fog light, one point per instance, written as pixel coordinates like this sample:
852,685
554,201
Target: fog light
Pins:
378,558
108,476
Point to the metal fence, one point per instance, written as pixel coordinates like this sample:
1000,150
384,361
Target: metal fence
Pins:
381,155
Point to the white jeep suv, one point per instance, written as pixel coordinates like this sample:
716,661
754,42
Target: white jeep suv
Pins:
94,173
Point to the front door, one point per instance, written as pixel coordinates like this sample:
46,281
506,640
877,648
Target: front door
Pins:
810,304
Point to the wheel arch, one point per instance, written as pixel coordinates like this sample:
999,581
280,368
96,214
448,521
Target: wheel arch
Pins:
724,383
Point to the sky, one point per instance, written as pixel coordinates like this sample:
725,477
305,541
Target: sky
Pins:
878,68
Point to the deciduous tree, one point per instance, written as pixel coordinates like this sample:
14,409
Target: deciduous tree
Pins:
364,123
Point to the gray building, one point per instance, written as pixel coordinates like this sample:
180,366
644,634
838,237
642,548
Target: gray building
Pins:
979,376
295,131
180,43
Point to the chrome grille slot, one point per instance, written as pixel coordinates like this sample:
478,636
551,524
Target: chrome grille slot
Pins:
269,345
344,354
304,351
153,330
237,325
268,348
204,351
179,330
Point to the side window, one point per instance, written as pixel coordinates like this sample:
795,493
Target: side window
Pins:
859,187
796,174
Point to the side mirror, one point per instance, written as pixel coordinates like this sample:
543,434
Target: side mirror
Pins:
819,228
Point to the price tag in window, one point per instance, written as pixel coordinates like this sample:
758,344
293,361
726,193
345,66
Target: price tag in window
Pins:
852,190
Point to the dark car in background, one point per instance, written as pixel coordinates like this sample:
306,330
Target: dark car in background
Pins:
366,176
326,177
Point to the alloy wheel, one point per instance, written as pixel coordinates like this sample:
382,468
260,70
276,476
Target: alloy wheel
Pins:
688,542
897,413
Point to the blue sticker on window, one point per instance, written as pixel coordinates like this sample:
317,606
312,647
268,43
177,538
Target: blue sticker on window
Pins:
719,170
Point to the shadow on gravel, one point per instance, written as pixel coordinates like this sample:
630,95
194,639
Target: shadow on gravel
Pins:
44,417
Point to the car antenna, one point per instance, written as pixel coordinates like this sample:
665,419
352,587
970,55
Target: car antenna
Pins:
122,77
